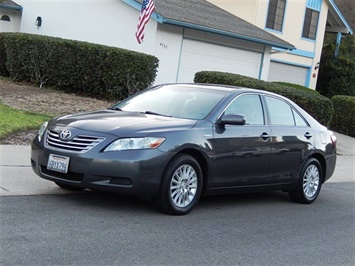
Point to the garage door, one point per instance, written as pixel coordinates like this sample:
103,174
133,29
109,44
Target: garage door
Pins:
199,56
5,26
288,73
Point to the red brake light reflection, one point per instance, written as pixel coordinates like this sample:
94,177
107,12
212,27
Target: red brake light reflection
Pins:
334,140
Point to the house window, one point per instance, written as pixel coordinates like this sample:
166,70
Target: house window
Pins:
5,18
275,15
310,24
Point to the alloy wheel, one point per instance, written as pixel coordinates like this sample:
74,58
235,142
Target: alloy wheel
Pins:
183,186
311,181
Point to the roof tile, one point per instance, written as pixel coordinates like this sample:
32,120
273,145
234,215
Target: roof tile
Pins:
207,15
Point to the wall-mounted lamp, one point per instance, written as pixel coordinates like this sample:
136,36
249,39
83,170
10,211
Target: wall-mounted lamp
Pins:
38,22
317,66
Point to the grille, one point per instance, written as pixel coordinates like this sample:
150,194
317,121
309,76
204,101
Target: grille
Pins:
80,143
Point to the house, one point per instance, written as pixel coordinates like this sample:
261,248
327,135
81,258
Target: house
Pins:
10,16
300,22
186,36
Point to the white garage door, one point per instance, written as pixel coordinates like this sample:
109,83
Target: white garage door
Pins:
199,56
287,73
5,26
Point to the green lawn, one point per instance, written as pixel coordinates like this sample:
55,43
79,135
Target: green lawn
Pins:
13,120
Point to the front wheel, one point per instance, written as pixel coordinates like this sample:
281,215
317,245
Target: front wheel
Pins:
309,184
181,186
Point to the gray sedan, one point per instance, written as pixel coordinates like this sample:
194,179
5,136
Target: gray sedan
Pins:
176,142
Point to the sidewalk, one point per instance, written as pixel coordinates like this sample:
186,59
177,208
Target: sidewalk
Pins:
345,167
346,145
17,177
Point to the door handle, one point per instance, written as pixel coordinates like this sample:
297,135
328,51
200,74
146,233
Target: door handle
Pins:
265,136
308,135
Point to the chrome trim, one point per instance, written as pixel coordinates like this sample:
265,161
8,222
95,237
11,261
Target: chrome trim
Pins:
80,143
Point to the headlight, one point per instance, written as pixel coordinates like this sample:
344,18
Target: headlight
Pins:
135,144
41,130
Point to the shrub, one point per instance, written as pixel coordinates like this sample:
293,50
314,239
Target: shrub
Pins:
336,73
296,86
320,107
3,69
80,67
344,114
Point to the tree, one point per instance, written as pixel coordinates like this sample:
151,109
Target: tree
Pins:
336,74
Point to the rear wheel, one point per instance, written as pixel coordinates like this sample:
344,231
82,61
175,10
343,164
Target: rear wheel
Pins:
68,187
309,184
181,186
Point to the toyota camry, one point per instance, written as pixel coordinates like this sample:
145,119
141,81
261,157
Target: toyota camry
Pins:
176,142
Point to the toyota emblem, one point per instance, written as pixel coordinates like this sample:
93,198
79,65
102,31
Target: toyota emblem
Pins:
65,135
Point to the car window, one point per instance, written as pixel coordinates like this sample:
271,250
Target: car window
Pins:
248,105
176,101
280,112
300,122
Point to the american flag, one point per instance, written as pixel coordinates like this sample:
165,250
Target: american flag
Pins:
146,11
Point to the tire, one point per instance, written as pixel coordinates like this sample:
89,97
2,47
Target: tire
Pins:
181,186
68,187
309,184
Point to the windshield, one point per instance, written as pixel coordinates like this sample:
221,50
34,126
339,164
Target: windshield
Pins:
181,101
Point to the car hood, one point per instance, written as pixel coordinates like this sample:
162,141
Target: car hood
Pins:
121,122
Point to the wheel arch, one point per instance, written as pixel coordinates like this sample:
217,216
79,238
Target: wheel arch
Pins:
163,201
320,158
202,161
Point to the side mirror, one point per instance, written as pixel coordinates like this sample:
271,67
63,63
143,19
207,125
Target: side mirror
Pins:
231,119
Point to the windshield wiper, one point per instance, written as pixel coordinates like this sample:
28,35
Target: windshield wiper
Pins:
155,113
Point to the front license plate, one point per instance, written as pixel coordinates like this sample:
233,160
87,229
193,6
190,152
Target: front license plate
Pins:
58,163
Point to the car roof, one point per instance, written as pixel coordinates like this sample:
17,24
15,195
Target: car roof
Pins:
218,87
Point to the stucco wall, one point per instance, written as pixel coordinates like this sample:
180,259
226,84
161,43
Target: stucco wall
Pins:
109,22
167,49
245,9
91,21
308,52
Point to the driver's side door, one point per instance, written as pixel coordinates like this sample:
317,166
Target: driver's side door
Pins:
242,152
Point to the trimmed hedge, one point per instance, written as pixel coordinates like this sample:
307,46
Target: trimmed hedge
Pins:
296,86
344,114
3,69
80,67
320,107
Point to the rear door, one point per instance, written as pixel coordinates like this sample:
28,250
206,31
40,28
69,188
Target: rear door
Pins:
292,140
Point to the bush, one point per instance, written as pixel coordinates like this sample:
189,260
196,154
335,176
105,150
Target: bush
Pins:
80,67
336,74
3,69
296,86
344,114
320,107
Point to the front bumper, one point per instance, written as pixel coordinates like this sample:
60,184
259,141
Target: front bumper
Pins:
135,172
